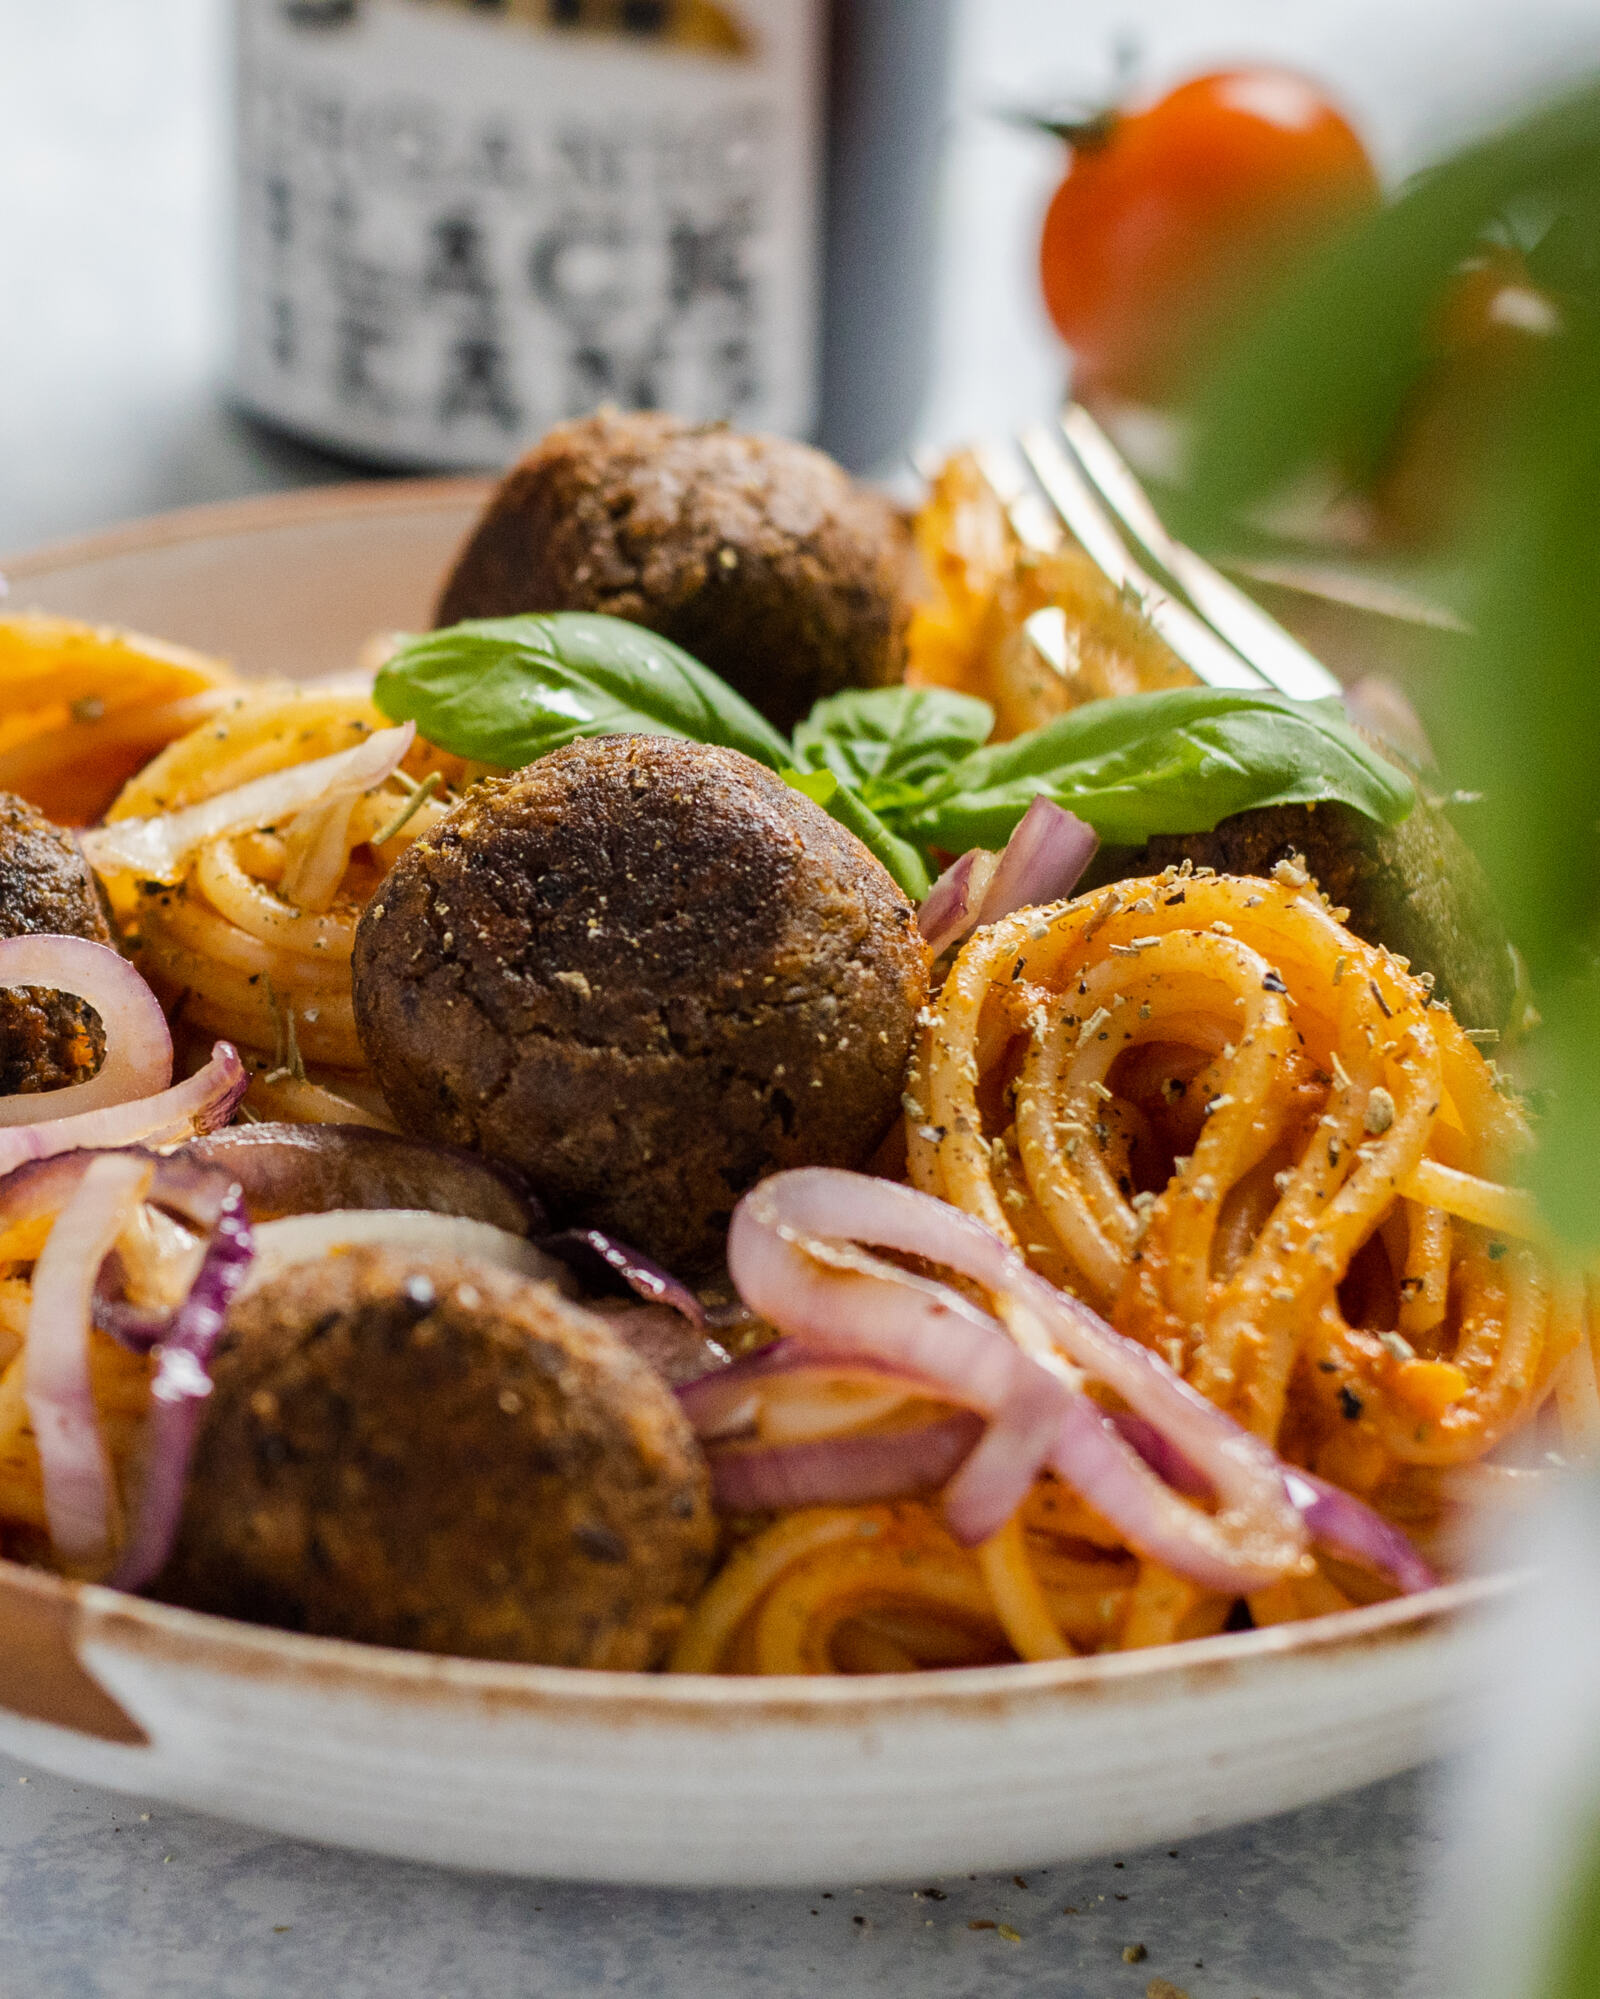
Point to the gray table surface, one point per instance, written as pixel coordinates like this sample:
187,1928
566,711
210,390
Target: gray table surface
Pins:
112,131
104,1897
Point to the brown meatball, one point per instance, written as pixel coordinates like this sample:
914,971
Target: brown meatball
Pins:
646,972
760,556
429,1453
1416,887
46,889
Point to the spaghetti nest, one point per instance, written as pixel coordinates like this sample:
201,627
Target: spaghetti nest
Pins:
254,943
1254,1143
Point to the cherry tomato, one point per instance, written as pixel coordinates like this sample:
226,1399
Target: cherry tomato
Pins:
1171,218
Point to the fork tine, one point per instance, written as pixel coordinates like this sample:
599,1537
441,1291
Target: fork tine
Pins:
1207,656
1035,522
1281,660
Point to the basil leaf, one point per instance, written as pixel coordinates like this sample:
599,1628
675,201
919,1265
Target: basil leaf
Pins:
510,690
898,856
817,785
1175,762
889,743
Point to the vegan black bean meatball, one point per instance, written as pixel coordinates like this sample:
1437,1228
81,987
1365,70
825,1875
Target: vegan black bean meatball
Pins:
646,972
430,1453
760,556
46,1039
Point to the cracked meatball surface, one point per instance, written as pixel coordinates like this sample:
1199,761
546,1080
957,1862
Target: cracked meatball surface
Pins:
47,1040
760,556
425,1452
646,972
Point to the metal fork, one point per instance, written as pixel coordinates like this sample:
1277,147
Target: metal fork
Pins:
1070,476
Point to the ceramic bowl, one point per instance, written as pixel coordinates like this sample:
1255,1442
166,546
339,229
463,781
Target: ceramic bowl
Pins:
636,1778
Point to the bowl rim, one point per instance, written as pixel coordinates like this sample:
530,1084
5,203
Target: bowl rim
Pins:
167,1635
220,520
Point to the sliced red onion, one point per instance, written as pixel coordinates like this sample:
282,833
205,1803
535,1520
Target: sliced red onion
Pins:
592,1254
138,1057
724,1401
793,1253
157,849
846,1470
44,1186
1024,1436
297,1239
304,1169
181,1384
950,908
663,1338
1042,862
1346,1527
1170,1464
55,1370
182,1339
198,1195
1336,1520
201,1104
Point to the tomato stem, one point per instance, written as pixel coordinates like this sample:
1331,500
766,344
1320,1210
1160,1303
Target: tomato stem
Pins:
1085,130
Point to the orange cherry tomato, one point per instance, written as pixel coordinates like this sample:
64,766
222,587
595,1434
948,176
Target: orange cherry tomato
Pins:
1493,327
1172,218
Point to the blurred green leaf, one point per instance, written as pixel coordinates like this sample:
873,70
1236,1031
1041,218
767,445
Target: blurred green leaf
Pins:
1318,384
1574,1971
1323,376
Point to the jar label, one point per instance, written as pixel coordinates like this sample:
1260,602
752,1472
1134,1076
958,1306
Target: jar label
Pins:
458,224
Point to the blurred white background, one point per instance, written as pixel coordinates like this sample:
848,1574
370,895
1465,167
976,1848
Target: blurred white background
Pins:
113,185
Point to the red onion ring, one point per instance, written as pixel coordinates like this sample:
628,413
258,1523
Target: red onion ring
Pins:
181,1384
205,1101
138,1057
591,1253
1336,1520
843,1471
157,849
1041,862
79,1187
792,1251
55,1369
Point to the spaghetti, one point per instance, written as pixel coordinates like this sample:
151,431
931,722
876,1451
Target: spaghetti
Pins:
254,943
1255,1144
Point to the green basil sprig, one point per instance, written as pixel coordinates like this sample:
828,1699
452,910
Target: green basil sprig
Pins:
890,744
1175,762
904,768
510,690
